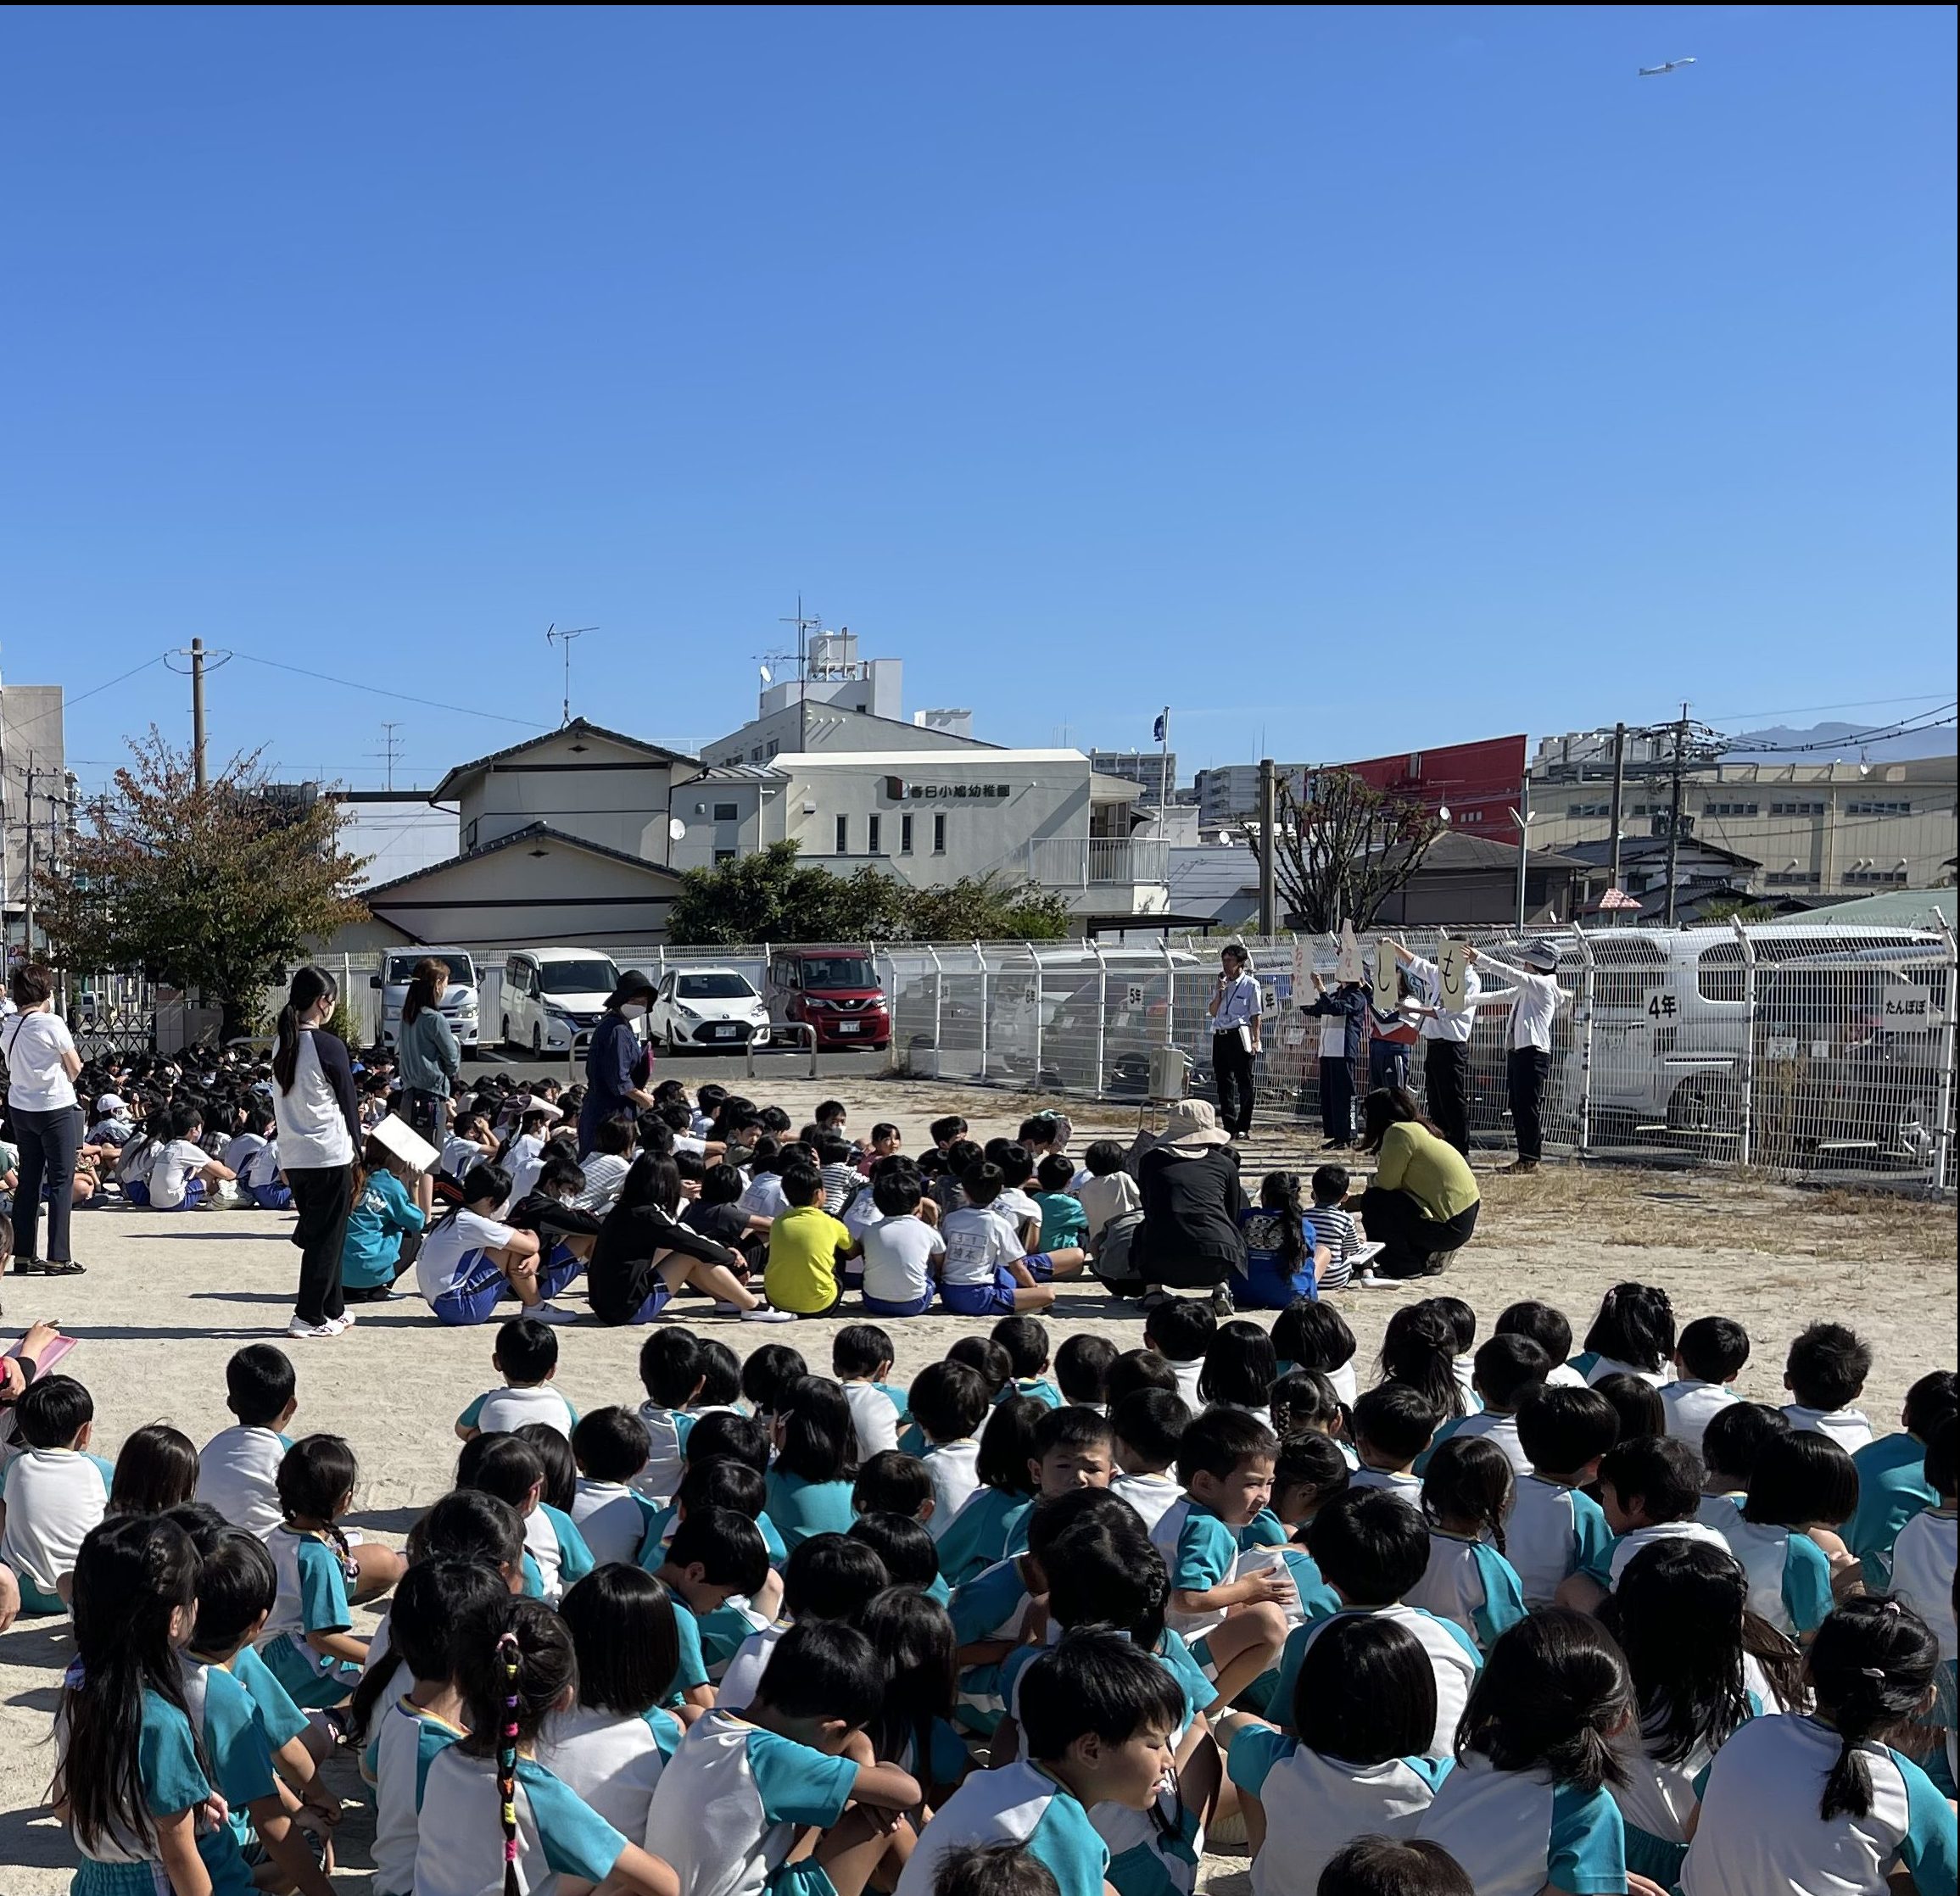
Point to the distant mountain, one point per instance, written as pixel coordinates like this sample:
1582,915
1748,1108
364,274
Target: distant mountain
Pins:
1844,741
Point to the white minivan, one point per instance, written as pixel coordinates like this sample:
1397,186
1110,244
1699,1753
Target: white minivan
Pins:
551,998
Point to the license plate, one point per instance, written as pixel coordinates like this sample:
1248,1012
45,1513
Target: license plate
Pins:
849,1026
726,1032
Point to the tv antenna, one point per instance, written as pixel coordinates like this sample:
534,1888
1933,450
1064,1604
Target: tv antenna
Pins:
390,747
805,626
555,635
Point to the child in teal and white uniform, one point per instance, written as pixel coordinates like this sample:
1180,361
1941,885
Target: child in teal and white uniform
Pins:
1556,1530
1799,1480
54,1490
1466,1494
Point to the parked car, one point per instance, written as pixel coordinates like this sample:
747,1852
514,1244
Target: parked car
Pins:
834,990
460,998
551,999
706,1009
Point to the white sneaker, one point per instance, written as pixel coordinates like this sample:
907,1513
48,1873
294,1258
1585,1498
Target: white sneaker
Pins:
310,1333
343,1321
768,1313
1368,1281
552,1314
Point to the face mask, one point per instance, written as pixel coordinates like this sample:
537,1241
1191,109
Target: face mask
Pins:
633,1009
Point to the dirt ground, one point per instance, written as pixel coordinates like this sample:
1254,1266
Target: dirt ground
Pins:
167,1299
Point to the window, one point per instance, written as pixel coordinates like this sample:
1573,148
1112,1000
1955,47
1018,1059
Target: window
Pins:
872,825
905,834
1870,876
843,835
774,746
939,833
1793,878
724,856
1796,809
1877,806
1729,808
1589,809
726,813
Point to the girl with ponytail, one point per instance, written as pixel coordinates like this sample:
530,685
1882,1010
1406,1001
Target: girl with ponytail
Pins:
1528,1807
1822,1805
319,1121
487,1801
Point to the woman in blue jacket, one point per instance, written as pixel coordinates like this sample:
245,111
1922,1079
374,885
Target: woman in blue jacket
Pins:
1343,1026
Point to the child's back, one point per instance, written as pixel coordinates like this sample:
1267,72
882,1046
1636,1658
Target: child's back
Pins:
54,1498
612,1759
506,1410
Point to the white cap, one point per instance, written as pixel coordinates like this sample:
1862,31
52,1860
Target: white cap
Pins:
111,1102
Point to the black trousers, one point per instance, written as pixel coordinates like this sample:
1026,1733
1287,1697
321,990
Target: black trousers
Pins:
323,1195
1527,1072
1231,1072
1446,1078
1338,1098
1408,1235
48,1144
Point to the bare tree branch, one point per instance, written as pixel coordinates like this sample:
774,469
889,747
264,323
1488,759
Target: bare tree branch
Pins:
1342,853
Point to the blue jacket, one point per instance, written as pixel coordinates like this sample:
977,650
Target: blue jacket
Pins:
1350,1002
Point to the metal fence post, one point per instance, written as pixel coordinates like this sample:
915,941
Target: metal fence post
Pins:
938,1009
980,956
1170,995
1943,1141
1745,1148
1587,996
1102,1014
1036,960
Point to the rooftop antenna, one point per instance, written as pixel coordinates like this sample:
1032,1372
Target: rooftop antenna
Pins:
554,636
390,747
805,626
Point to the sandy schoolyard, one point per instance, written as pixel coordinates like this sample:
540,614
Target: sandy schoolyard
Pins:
168,1298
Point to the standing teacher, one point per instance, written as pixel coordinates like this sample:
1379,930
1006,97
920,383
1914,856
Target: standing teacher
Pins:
1534,999
1234,1012
42,1064
319,1119
617,1063
430,1061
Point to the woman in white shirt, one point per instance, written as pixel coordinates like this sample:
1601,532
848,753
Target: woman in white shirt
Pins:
42,1064
314,1102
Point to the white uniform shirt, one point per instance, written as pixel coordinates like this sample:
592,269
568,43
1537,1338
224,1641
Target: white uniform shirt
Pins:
1447,1023
54,1496
238,1475
439,1264
605,1174
1515,1832
241,1149
612,1759
1923,1562
1187,1374
37,1080
1403,1486
613,1520
763,1197
977,1241
1535,1001
898,1258
1499,1431
1691,1406
737,1685
1628,1545
505,1411
1151,1495
172,1167
404,1747
1851,1429
459,1850
874,1418
951,1468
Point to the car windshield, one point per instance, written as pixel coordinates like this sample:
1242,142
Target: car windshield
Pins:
401,969
838,971
600,976
713,987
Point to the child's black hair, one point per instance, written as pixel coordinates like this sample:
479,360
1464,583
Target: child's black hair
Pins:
1562,1430
1239,1367
1635,1325
914,1639
1461,1320
943,1132
1151,1422
904,1544
237,1583
514,1665
1828,1366
434,1599
1365,1692
156,1469
561,1467
823,1668
765,1373
1305,1401
802,1181
1469,1479
1387,1866
1095,1682
1737,1433
1933,1399
859,1350
1544,1323
948,1400
1872,1665
1419,1349
1663,1472
468,1524
1506,1367
1312,1463
1313,1336
982,1353
670,1366
721,1483
1082,1366
1713,1349
258,1383
1552,1692
1181,1329
1102,1158
721,1376
316,1474
1103,1571
727,1546
485,1184
526,1350
1371,1544
53,1411
1055,1172
819,1441
896,1192
1218,1441
1135,1369
1006,1445
1279,1192
721,1185
1396,1419
623,1629
1636,1402
610,1444
1329,1184
727,1436
891,1482
1071,1432
1940,1455
504,1465
829,1575
1054,1515
1802,1478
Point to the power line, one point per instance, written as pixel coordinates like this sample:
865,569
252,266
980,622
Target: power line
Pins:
82,697
404,697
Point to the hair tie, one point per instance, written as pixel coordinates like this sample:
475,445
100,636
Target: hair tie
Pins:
76,1677
1872,1672
510,1654
1891,1607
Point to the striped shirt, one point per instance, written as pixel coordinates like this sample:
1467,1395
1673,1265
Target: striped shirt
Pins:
1335,1229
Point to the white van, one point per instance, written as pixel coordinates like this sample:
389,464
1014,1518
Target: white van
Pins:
551,998
460,998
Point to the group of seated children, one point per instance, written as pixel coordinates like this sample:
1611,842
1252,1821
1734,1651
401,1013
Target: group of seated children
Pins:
1509,1620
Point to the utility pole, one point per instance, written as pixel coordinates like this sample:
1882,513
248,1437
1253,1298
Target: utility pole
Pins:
1674,811
389,747
1619,794
553,636
197,712
1266,800
27,867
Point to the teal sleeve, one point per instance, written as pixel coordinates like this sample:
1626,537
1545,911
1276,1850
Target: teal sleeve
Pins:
1589,1843
912,1440
1065,1840
1931,1850
1254,1751
1017,1526
667,1731
575,1559
1806,1583
797,1784
167,1760
771,1541
470,1417
371,1760
1009,1671
690,1670
107,1471
1442,1436
1200,1694
235,1744
984,1602
653,1543
1431,1771
431,1742
1584,1362
577,1840
899,1399
1263,1530
282,1720
1207,1551
533,1579
1503,1597
1593,1548
1291,1654
322,1591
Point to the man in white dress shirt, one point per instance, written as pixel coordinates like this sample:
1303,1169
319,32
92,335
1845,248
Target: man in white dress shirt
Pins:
1235,1038
1446,1046
1534,1000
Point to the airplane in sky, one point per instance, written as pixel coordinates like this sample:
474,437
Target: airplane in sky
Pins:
1672,66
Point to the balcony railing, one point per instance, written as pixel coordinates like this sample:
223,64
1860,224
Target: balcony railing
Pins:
1096,862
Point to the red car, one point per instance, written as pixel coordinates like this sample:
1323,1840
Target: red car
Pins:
835,990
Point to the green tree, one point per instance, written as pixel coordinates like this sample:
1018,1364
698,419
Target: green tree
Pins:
210,888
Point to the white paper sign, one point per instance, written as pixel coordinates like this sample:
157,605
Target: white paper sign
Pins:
1385,983
1451,968
1351,966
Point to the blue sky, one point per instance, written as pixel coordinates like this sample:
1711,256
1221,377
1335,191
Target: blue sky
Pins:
1352,381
